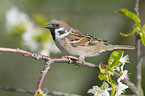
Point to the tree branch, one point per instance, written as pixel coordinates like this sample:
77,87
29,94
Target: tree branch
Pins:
32,91
49,61
138,56
46,58
16,90
43,73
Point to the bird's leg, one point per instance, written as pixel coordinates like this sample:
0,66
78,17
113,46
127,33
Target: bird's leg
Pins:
71,57
81,58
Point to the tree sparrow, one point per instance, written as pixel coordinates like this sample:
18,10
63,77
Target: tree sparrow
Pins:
72,42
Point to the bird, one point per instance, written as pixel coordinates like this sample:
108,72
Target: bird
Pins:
75,43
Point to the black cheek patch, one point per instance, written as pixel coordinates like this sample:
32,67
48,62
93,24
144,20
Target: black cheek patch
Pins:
61,32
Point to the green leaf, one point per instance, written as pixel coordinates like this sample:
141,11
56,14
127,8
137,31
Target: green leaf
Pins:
142,34
114,58
41,93
114,83
101,69
103,76
129,14
110,71
125,35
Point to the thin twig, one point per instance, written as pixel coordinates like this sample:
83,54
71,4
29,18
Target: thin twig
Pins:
46,58
137,7
62,60
43,73
32,91
60,93
17,90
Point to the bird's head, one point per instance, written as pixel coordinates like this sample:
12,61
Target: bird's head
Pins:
58,29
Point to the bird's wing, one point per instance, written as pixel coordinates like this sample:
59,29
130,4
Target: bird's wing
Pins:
76,38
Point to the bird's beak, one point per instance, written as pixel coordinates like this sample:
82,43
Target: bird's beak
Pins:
49,26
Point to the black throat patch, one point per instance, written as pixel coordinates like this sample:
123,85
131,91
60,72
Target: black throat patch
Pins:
52,33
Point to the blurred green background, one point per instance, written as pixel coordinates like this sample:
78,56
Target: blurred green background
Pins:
96,17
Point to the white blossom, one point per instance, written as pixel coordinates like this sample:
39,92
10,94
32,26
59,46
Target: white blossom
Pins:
15,17
121,88
118,69
124,60
98,92
29,36
123,76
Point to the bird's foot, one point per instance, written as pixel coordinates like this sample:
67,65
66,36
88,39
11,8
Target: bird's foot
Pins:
71,58
81,58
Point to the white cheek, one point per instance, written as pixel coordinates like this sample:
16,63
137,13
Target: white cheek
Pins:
60,36
57,34
60,29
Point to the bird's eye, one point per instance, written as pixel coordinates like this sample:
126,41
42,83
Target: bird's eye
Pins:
57,25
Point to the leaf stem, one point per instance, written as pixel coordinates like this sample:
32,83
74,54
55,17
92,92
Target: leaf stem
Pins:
113,90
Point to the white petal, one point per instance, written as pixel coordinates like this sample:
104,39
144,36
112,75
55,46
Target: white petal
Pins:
121,88
123,76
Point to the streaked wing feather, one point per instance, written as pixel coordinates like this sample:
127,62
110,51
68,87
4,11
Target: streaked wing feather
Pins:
77,38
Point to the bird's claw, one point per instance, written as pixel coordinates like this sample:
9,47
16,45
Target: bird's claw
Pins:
82,60
70,58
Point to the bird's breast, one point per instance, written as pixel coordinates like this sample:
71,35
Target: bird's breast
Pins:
61,44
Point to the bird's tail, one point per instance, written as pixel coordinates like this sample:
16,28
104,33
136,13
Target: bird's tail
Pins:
112,47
